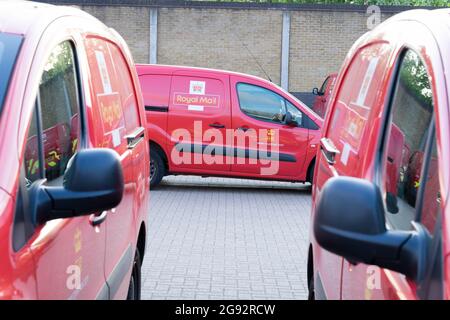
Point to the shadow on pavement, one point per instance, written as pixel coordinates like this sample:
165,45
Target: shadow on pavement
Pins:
235,186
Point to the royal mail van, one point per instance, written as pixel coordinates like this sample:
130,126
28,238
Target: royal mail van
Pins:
74,154
220,123
380,217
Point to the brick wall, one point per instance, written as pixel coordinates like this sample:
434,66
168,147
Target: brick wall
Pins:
218,39
215,35
132,23
319,43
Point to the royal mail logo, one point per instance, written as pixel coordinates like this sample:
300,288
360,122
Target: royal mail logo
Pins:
197,87
110,111
207,100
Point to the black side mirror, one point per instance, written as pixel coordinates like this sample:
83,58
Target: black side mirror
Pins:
93,182
315,91
349,221
289,120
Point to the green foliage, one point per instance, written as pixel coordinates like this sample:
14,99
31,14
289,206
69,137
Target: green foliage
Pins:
431,3
414,76
59,61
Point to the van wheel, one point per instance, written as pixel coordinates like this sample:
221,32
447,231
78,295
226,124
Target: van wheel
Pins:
310,176
134,290
311,293
157,168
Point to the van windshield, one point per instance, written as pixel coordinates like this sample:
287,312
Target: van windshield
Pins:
9,48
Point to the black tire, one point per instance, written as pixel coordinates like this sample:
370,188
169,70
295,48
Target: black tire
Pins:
310,174
311,292
134,289
157,168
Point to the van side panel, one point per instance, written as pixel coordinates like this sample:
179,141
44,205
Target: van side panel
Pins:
352,128
290,144
155,91
199,115
112,104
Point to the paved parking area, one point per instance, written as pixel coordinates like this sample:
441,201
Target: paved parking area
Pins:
218,238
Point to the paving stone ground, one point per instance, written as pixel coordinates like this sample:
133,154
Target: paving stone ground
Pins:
219,238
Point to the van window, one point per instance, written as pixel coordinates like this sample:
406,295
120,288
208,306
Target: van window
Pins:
31,170
53,134
9,49
431,201
260,103
59,106
297,115
410,128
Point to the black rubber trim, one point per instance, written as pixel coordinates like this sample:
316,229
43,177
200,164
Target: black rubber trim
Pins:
120,272
157,108
236,152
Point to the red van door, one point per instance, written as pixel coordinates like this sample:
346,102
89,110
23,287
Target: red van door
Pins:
408,195
136,144
199,115
66,251
348,131
111,101
258,113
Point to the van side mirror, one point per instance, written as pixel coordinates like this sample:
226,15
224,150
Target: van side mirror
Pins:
349,221
93,182
315,91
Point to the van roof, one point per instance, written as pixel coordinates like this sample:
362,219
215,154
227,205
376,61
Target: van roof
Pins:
435,20
421,14
22,17
170,69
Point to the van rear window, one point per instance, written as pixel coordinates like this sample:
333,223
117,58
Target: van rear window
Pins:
9,48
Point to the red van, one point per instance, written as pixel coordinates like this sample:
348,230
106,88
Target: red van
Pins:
323,95
220,123
380,222
74,153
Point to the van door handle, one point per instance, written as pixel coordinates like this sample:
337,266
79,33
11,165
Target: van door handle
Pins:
217,125
135,137
329,150
98,219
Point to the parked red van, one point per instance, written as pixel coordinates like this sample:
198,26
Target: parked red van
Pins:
323,95
74,153
380,217
220,123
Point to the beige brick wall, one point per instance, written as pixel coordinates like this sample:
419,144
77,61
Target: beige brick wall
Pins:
319,43
132,23
214,38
